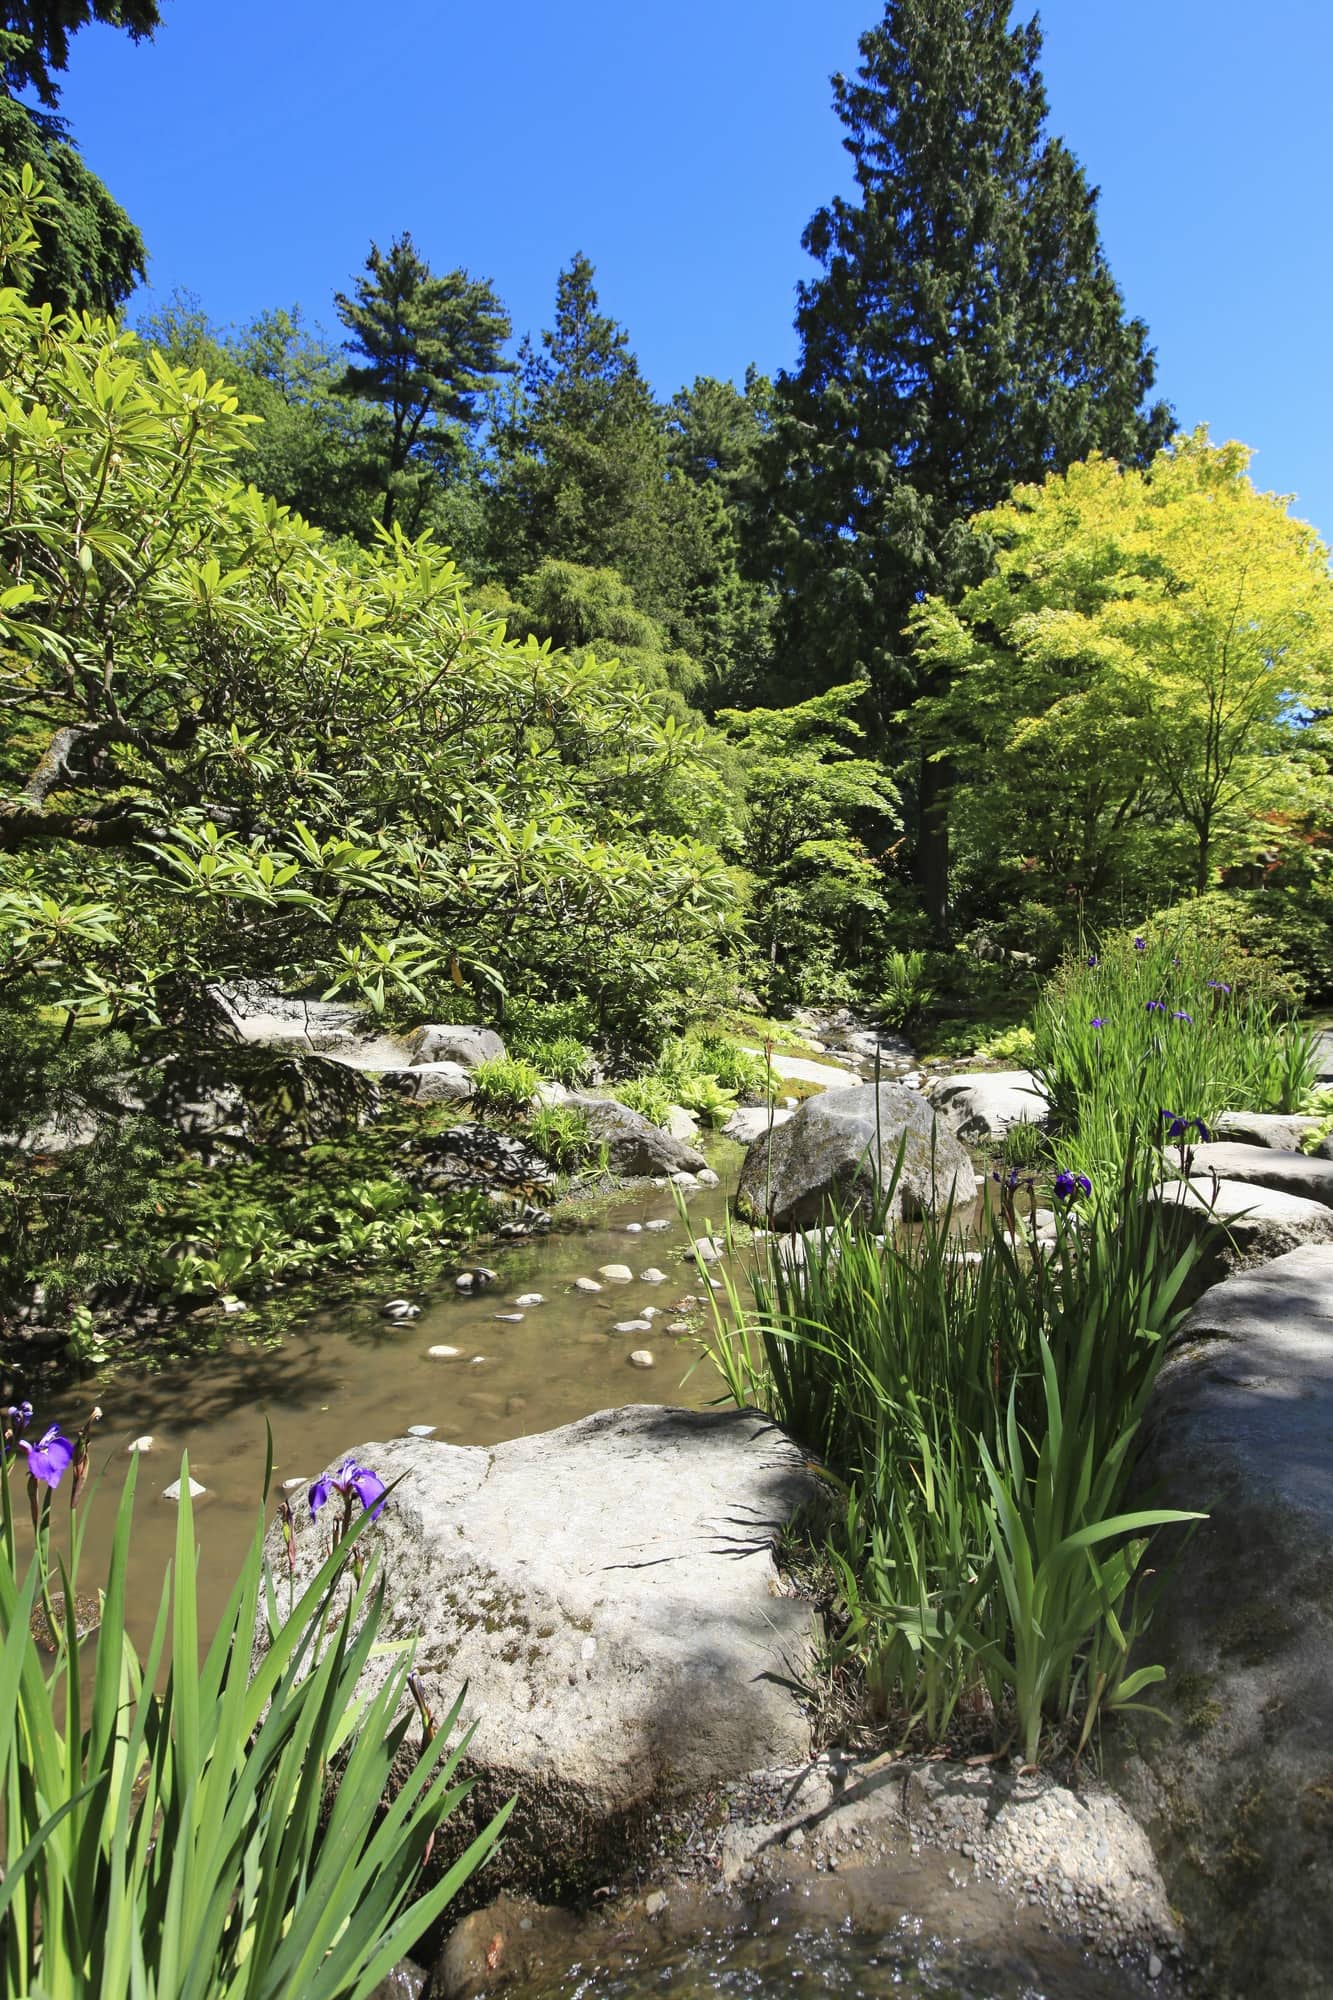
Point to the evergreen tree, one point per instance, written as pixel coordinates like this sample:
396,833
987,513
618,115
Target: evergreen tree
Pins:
965,334
430,349
585,475
89,255
36,37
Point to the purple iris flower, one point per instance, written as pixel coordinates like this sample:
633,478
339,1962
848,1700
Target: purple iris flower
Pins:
50,1458
1068,1187
349,1479
1140,944
1219,985
1178,1127
1181,1015
1098,1022
1092,961
18,1416
1155,1007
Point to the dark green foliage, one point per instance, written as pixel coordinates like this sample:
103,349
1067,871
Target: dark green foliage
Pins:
36,37
429,349
964,334
89,254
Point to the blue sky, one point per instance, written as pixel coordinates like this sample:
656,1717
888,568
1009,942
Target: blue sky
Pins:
261,144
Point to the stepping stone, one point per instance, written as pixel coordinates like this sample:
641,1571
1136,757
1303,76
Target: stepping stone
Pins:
444,1353
660,1223
751,1121
1282,1130
708,1248
586,1285
633,1229
1266,1167
641,1358
990,1103
510,1319
1259,1222
616,1274
634,1326
652,1276
529,1299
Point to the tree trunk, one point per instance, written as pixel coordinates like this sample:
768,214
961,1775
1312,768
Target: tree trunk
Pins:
932,841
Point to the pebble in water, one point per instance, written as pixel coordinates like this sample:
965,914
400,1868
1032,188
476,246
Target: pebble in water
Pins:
444,1353
529,1299
652,1276
140,1444
464,1282
586,1285
616,1274
294,1485
634,1229
634,1326
422,1430
476,1361
707,1178
173,1492
400,1309
511,1318
659,1223
641,1358
708,1249
677,1327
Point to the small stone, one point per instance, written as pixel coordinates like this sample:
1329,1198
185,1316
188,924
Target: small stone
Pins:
476,1361
511,1319
652,1276
659,1223
529,1299
650,1312
634,1326
294,1485
1155,1967
484,1275
586,1285
790,1103
140,1444
400,1309
677,1327
708,1249
685,1180
707,1178
173,1492
641,1358
796,1839
233,1305
422,1430
464,1282
656,1903
616,1274
444,1353
633,1229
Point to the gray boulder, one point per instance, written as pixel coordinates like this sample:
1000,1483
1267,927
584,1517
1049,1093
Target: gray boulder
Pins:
635,1146
608,1593
841,1149
1281,1130
990,1103
431,1083
464,1044
751,1121
1266,1167
1237,1792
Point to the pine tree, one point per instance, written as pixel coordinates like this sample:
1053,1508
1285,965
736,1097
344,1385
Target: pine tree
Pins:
965,334
430,349
34,37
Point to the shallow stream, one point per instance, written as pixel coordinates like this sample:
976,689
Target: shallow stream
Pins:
352,1377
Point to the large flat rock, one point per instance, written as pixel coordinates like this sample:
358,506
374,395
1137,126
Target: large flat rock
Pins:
1238,1792
749,1122
1266,1167
1241,1222
841,1150
634,1145
1282,1130
804,1069
609,1593
988,1103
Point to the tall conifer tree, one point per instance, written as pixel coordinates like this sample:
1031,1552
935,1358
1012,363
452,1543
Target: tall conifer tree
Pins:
429,347
965,334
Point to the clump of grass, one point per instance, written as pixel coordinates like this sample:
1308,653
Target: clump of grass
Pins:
562,1136
504,1085
979,1419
